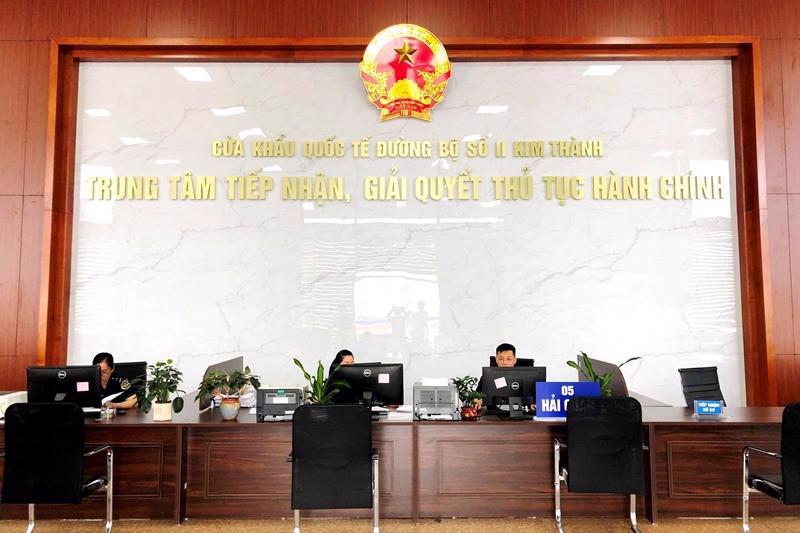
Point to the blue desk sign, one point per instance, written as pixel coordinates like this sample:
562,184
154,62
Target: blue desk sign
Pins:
708,408
552,397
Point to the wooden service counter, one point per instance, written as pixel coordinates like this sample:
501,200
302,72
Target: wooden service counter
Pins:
198,466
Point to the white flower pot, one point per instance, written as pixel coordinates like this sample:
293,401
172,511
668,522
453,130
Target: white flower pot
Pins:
162,411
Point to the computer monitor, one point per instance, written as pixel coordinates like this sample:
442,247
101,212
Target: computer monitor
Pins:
520,361
617,383
515,387
78,384
228,366
374,383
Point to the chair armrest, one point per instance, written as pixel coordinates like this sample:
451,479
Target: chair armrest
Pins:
97,450
290,458
645,447
560,443
748,449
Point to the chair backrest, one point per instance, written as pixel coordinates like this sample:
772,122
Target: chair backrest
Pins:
332,457
44,453
520,361
131,371
790,450
701,383
604,445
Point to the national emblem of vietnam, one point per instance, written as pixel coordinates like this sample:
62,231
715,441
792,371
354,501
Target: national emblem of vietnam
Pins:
405,71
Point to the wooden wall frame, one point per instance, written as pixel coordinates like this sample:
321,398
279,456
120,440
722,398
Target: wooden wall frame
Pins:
751,191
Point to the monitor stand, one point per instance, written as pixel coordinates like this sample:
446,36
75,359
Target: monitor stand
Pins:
377,411
516,408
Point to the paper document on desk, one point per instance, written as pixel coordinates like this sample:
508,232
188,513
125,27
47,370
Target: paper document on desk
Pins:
110,397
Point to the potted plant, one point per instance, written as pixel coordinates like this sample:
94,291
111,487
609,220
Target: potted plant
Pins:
470,397
588,371
321,390
156,391
228,387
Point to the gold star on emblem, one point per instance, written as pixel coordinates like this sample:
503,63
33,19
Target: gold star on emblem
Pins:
405,53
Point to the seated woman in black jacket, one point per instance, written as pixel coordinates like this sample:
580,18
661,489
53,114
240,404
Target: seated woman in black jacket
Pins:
344,357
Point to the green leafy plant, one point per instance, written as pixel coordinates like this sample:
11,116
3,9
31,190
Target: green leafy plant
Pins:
603,379
163,383
225,385
321,390
466,387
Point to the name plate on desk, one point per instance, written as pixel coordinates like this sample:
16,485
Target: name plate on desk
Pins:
708,408
552,397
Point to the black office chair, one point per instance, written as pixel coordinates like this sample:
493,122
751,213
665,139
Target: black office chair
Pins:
701,383
333,463
520,361
785,486
605,453
44,452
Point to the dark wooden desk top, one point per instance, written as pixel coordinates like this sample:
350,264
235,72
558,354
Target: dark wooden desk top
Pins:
191,416
732,415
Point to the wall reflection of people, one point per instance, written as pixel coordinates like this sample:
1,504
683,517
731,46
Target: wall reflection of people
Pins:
419,325
398,317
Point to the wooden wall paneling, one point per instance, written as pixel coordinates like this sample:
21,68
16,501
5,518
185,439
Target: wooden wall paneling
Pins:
6,364
316,18
57,217
767,18
790,56
794,256
790,19
531,18
13,95
29,276
10,238
95,18
708,17
619,18
751,211
780,268
14,20
527,18
774,148
36,134
787,379
190,18
454,18
14,375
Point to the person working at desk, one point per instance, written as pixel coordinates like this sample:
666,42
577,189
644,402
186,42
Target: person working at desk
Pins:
110,384
506,357
344,357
